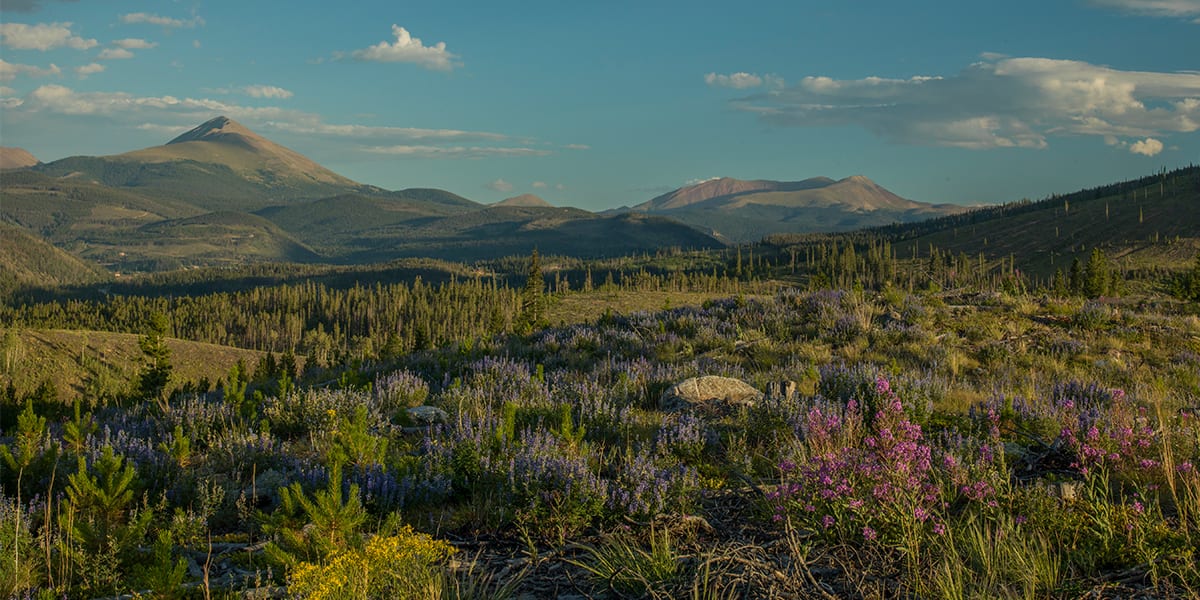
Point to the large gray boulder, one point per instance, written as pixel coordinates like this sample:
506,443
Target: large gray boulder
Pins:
709,394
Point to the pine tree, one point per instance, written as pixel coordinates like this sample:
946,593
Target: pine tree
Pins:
1095,275
152,383
533,296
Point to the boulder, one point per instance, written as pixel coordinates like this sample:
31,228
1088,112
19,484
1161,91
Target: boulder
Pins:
709,394
427,415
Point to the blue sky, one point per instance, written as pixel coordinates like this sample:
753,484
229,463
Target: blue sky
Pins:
599,105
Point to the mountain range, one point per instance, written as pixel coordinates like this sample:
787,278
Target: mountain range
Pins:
222,194
743,211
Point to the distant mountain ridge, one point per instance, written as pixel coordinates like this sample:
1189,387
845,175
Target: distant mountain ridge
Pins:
747,210
221,194
525,200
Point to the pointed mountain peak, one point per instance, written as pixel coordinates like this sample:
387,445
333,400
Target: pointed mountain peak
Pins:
859,179
220,129
526,200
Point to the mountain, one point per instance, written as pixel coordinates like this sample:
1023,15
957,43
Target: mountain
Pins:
16,158
219,165
527,200
742,210
221,194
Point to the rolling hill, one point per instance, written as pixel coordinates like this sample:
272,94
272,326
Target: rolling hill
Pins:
27,259
741,210
16,158
1149,222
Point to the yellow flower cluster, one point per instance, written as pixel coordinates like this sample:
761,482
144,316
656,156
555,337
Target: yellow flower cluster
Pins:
401,566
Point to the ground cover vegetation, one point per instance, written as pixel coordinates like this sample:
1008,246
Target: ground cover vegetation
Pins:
922,433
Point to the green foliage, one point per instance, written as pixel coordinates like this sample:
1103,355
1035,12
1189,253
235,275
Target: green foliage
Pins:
622,564
354,443
77,430
31,434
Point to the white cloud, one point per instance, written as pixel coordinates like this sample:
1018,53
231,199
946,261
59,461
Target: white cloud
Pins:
499,185
1154,8
6,91
10,71
267,91
1146,147
42,36
153,19
134,44
560,187
114,54
998,102
89,69
430,151
577,147
539,185
409,49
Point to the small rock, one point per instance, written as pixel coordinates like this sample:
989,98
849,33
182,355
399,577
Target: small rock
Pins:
427,415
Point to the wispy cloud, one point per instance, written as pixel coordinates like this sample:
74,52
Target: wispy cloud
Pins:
418,151
408,49
577,147
10,71
998,102
742,80
499,185
134,44
170,113
42,36
153,19
1179,9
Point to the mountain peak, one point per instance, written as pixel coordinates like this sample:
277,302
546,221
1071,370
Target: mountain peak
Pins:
526,200
16,158
219,129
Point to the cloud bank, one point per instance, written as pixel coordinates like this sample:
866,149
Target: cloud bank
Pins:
742,80
996,103
153,19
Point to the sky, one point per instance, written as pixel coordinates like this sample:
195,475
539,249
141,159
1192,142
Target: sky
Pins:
604,104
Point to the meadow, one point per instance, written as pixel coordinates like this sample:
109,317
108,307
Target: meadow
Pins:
983,443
